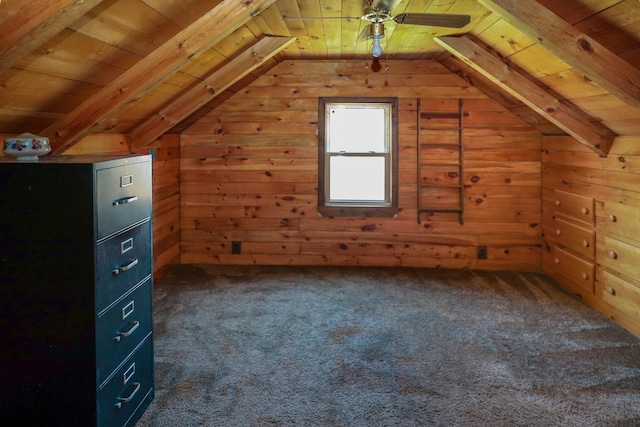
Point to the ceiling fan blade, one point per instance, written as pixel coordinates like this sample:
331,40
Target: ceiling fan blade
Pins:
365,34
433,19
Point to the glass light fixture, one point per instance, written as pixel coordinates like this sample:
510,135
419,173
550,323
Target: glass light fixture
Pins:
376,50
377,32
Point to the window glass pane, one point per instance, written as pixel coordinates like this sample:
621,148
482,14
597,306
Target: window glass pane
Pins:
356,130
357,178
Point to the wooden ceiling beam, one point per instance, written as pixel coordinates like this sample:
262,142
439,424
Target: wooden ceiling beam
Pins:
503,98
566,116
27,25
205,91
209,29
572,46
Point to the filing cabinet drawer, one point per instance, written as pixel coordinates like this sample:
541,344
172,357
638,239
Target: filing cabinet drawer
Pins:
129,387
574,206
576,269
122,261
621,257
122,328
579,239
623,295
123,196
623,220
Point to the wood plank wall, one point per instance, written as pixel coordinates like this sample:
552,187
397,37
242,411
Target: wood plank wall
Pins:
166,204
248,173
166,190
613,185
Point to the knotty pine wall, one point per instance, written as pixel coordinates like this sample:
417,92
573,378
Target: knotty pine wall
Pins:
613,184
248,173
166,204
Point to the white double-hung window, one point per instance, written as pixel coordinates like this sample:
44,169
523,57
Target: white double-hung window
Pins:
357,156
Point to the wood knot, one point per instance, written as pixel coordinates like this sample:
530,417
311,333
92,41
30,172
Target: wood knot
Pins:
585,45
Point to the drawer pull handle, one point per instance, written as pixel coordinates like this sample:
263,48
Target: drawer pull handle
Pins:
557,202
613,255
610,290
613,218
127,399
585,276
129,266
125,200
134,326
558,232
584,211
585,243
557,261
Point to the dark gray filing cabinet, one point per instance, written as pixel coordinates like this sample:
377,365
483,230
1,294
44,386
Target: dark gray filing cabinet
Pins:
75,290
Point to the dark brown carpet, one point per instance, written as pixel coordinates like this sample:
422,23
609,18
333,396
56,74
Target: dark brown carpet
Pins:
285,346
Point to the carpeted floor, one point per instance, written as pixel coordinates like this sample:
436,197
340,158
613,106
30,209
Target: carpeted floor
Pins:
285,346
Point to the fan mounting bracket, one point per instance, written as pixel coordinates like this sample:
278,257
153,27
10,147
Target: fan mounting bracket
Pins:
377,16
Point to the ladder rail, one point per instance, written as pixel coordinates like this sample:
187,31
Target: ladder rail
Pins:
419,161
461,154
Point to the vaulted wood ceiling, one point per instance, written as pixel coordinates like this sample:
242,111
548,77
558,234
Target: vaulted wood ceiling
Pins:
69,68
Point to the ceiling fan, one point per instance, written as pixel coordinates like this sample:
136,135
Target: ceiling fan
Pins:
378,11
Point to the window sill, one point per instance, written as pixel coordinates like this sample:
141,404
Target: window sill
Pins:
353,211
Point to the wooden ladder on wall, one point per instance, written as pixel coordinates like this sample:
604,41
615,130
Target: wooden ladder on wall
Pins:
440,161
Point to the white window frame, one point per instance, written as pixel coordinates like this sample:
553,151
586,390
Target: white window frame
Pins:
379,207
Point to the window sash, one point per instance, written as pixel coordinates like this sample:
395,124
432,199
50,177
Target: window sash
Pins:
339,119
356,182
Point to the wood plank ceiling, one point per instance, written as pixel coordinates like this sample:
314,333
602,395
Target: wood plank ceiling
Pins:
69,68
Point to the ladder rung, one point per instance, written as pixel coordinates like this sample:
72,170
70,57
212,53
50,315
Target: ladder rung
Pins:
427,145
441,209
442,164
439,115
441,185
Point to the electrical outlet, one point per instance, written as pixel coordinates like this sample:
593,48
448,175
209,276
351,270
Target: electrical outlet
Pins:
236,247
482,252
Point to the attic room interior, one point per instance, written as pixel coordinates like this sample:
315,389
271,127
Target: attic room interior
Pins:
510,134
